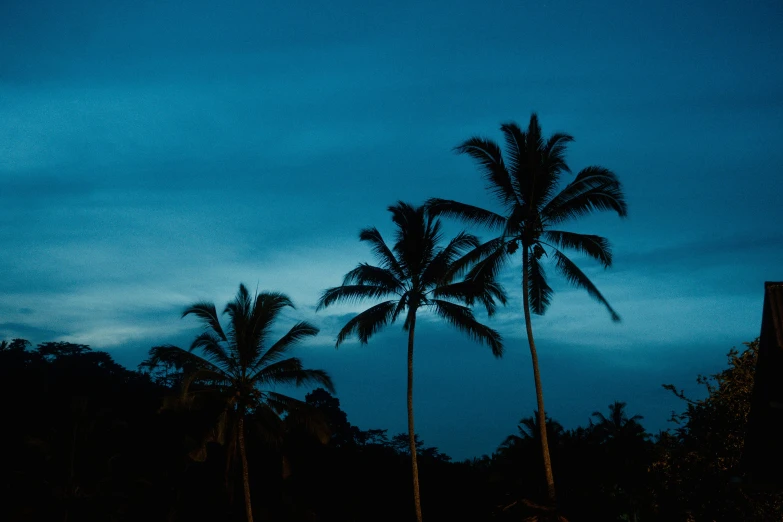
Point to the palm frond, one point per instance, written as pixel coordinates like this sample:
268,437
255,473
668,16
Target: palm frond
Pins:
401,305
211,346
539,291
553,159
534,134
381,250
267,307
205,376
463,264
596,247
179,358
208,314
577,278
369,322
365,274
489,267
593,189
469,291
439,268
290,372
351,293
517,160
294,336
490,159
466,213
462,318
416,237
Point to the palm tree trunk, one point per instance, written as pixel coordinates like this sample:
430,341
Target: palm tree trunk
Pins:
550,479
243,456
411,430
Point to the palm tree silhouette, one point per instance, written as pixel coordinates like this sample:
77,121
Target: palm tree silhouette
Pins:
415,273
618,425
240,363
528,429
525,184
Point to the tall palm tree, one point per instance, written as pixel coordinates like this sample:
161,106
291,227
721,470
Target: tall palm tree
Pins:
415,273
525,185
239,363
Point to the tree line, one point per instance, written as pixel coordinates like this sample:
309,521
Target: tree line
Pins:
87,439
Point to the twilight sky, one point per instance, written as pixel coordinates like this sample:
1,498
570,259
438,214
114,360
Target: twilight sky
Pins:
157,153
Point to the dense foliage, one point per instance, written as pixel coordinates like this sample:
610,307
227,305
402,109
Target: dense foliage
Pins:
87,439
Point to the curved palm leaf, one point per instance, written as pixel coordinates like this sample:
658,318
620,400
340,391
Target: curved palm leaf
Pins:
596,247
539,290
463,319
437,271
294,336
368,322
577,278
291,372
211,346
365,274
487,154
208,314
594,189
466,213
381,250
351,293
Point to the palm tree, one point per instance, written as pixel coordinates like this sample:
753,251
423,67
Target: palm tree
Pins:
525,184
617,425
240,363
528,429
415,273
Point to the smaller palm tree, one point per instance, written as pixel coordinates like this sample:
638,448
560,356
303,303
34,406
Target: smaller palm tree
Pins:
416,273
529,430
618,425
240,365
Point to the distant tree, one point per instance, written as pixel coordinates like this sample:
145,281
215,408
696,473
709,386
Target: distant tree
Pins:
14,345
529,432
525,185
416,272
53,350
240,363
373,437
617,425
626,454
325,404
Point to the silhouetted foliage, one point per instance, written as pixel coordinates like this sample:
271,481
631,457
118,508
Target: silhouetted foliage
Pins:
88,441
698,465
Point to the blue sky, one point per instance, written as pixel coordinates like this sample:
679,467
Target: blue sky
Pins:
156,153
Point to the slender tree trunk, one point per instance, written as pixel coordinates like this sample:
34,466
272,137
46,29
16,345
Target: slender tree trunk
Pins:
550,479
243,457
411,429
